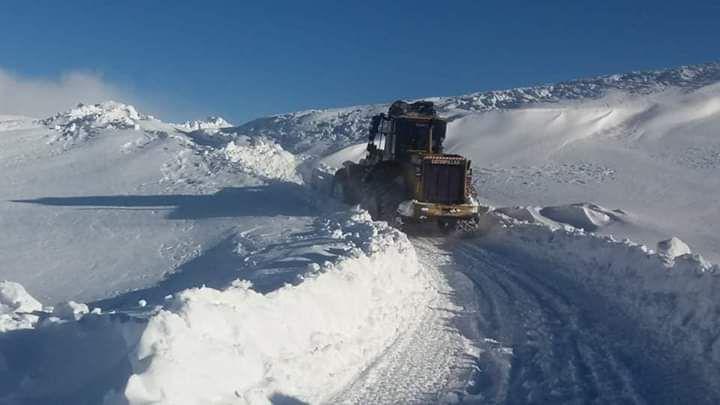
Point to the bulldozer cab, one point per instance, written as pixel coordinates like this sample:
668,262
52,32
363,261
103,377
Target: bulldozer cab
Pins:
408,129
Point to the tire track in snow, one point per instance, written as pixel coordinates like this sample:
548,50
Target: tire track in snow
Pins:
423,365
537,338
568,345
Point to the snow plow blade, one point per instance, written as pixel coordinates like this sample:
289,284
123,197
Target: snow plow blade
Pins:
420,210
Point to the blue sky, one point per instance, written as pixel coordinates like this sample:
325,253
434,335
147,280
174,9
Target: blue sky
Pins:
243,60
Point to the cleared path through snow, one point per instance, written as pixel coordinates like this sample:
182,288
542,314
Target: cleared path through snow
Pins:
542,339
428,361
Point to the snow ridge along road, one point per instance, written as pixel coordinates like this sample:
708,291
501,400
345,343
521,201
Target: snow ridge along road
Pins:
430,360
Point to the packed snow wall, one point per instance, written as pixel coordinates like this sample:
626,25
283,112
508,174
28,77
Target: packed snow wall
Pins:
233,345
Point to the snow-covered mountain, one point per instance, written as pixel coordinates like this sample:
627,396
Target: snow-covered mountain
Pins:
150,262
208,123
323,131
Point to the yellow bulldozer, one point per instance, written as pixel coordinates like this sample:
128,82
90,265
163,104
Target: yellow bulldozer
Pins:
405,177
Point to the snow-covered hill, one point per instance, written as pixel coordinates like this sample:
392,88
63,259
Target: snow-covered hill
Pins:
102,199
321,132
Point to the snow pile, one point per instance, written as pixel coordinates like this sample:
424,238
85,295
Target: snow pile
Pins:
83,121
208,124
302,341
675,296
262,158
587,216
70,310
315,132
673,247
16,307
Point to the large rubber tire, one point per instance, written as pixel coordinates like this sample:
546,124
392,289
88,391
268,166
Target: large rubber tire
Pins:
384,190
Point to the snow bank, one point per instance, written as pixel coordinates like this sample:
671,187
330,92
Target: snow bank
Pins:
16,307
263,158
674,296
302,341
673,247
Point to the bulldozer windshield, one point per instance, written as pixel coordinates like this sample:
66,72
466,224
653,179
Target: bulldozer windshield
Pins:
419,135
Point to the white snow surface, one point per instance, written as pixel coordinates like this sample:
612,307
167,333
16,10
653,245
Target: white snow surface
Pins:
125,208
263,158
673,296
83,121
215,275
673,247
233,261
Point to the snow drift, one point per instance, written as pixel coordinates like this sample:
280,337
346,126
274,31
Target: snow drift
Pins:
675,297
263,158
234,345
302,341
16,307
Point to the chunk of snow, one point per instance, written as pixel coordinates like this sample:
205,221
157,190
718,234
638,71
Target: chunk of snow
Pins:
673,247
585,216
84,121
16,307
263,158
103,115
14,298
70,310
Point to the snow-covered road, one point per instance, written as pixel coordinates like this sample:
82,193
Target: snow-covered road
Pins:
507,328
544,339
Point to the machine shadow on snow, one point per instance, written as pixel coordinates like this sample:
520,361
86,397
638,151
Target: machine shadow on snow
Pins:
260,201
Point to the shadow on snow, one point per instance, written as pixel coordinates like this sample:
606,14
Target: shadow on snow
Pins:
261,201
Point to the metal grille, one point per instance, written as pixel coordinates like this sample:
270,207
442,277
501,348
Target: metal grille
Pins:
443,183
